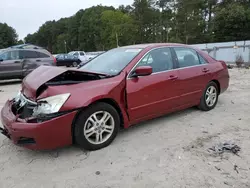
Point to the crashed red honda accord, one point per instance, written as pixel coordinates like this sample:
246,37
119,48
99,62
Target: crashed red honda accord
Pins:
57,107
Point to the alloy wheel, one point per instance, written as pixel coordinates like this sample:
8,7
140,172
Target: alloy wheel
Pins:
211,96
99,127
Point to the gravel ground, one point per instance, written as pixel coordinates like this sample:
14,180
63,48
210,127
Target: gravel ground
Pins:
171,151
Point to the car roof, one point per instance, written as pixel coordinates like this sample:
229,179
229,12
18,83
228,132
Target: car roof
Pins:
29,47
153,45
25,46
75,51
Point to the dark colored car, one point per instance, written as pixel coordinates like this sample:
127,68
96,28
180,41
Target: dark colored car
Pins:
67,60
18,61
122,87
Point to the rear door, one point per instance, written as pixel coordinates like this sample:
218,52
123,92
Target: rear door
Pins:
10,64
30,61
43,59
152,95
194,75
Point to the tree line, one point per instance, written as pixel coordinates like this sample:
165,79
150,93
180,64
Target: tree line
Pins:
145,21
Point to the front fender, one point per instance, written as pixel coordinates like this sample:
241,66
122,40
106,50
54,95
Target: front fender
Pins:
113,89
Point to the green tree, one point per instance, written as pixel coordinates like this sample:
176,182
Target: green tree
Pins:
8,36
61,43
190,21
166,16
73,30
144,17
145,21
20,42
232,22
91,27
125,9
117,28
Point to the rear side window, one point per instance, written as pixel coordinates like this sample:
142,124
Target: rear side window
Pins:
202,60
186,57
81,53
26,54
42,55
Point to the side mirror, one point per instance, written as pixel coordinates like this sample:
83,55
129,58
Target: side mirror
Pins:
142,71
1,60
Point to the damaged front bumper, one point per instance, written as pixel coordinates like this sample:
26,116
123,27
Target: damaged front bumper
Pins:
49,132
4,132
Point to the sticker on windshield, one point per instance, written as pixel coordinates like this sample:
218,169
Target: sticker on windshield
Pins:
133,50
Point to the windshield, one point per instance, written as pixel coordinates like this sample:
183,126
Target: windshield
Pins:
111,62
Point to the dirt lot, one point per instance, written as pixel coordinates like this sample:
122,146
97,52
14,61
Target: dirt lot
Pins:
171,151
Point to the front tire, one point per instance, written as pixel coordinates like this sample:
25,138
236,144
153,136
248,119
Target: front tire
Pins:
209,97
97,126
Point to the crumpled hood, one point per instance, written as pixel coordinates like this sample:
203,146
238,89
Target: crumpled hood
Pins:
37,78
49,81
39,84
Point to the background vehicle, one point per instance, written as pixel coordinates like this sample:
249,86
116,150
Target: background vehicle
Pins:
91,55
120,88
18,61
80,54
67,60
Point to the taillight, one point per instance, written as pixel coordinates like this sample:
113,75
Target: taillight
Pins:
223,64
54,59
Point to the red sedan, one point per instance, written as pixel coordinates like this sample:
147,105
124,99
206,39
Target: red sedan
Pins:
57,107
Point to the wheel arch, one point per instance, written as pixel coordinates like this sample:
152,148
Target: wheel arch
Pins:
218,84
104,100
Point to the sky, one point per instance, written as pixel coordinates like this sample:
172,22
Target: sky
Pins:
26,16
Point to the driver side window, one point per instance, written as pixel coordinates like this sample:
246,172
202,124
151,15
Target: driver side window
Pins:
159,59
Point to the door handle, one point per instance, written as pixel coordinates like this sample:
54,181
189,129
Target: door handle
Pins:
17,61
205,70
38,60
173,77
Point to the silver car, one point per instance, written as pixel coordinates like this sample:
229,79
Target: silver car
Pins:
18,61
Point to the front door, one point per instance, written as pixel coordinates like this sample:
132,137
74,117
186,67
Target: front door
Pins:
154,94
10,64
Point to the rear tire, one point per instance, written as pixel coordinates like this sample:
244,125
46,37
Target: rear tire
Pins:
209,97
74,64
97,126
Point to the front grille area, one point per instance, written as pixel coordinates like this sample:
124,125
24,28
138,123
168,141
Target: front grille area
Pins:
23,141
23,107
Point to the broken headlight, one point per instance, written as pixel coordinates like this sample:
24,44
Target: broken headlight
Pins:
50,105
17,97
